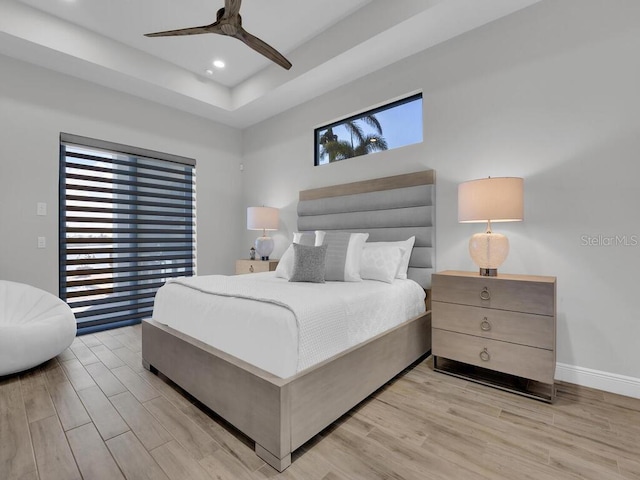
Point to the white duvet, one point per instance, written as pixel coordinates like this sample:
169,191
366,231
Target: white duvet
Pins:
280,326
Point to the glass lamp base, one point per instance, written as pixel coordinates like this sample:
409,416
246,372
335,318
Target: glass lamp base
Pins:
488,251
264,247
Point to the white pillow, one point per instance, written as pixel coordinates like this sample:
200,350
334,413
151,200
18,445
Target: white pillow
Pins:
285,265
407,245
380,262
344,252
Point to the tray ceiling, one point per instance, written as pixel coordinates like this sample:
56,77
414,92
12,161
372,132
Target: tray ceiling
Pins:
329,42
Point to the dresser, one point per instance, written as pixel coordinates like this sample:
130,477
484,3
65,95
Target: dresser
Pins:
499,331
255,266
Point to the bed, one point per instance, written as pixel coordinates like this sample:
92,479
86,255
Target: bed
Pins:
281,414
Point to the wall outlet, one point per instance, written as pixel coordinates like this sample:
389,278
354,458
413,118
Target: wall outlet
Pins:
41,209
42,242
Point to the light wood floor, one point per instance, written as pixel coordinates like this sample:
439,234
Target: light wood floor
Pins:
95,413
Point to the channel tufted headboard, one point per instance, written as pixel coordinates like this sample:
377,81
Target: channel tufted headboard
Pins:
389,209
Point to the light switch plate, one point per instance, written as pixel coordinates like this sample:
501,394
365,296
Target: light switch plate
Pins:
41,209
42,242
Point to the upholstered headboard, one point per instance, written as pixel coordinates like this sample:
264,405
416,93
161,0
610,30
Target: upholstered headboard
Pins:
389,209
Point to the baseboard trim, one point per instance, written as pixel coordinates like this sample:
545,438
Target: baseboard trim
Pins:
609,382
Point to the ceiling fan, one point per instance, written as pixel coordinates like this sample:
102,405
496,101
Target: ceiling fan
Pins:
229,22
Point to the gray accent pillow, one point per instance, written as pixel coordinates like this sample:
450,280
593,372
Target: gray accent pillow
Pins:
308,263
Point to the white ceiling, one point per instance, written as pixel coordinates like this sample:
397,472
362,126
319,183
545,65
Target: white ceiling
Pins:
329,42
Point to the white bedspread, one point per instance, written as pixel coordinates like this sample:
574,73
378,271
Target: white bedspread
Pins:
284,327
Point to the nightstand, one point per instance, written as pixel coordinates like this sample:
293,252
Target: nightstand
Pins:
499,331
255,266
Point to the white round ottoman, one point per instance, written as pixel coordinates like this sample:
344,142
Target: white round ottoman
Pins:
34,326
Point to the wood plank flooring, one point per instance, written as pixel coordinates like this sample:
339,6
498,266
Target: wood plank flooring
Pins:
94,413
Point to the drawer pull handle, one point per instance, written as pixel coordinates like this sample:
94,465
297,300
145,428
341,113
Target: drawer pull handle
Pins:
251,268
485,294
485,326
484,355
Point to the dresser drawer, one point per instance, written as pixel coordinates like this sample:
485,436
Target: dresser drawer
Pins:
529,362
255,266
522,328
503,293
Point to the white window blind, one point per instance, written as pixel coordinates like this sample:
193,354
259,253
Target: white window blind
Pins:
127,224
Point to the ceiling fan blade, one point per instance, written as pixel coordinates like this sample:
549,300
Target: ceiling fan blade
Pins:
263,48
213,28
231,8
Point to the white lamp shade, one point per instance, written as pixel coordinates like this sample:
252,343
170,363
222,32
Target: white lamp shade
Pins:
262,218
499,199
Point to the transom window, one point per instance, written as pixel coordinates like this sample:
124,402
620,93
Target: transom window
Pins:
391,126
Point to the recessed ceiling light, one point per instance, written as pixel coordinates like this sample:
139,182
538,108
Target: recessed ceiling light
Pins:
208,71
218,64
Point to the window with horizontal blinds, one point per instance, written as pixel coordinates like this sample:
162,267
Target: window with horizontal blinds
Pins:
127,224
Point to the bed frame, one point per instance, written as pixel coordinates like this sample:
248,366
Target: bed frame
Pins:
279,414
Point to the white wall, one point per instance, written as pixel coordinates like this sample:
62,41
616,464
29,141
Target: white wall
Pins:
550,94
37,104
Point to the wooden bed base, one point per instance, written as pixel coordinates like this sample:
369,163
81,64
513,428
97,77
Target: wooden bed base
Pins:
282,414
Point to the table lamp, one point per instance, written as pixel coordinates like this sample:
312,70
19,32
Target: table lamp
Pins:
499,199
263,218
